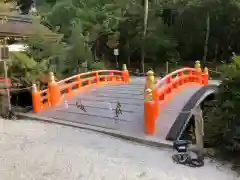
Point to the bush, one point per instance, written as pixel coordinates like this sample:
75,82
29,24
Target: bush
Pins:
224,119
229,70
97,66
24,70
222,127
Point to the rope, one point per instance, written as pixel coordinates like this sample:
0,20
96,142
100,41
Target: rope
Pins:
20,89
180,112
214,71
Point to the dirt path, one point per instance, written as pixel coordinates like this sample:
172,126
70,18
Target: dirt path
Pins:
38,151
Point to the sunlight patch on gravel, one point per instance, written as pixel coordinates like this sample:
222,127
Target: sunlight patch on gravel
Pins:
32,150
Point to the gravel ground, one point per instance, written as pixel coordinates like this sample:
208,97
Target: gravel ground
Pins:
39,151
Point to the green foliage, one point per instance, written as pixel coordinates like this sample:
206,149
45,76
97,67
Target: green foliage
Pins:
48,51
97,66
41,48
176,31
24,69
223,125
229,69
62,16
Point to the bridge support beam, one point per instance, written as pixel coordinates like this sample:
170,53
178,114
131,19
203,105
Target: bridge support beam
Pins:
199,129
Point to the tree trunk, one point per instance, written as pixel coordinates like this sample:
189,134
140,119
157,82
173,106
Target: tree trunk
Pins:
206,37
128,55
144,34
95,53
216,53
129,61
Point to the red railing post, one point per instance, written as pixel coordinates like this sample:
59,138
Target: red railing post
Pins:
151,106
105,78
36,99
97,78
180,76
169,81
54,91
89,82
156,100
114,77
205,76
79,82
189,77
125,74
198,72
111,76
149,119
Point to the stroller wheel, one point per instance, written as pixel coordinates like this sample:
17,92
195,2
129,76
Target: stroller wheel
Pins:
175,159
180,158
196,163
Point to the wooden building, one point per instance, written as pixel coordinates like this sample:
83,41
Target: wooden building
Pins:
14,28
17,27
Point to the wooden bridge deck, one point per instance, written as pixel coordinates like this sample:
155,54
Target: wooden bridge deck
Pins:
97,102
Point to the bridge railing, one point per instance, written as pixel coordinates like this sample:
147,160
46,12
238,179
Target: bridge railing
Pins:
157,93
57,91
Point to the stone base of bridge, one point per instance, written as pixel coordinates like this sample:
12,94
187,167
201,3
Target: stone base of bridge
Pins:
140,138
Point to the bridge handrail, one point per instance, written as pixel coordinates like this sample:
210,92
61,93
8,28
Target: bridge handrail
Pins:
57,91
162,81
88,73
163,90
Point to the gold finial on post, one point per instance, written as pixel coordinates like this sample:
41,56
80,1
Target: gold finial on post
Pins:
150,73
149,86
150,79
198,66
205,70
51,77
148,95
34,88
124,67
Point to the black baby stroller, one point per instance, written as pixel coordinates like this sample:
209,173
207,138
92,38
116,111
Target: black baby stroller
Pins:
183,155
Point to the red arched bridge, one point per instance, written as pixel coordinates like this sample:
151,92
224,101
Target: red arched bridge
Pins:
111,101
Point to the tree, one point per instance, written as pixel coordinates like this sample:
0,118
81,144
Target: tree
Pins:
144,32
94,19
51,52
24,70
177,30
